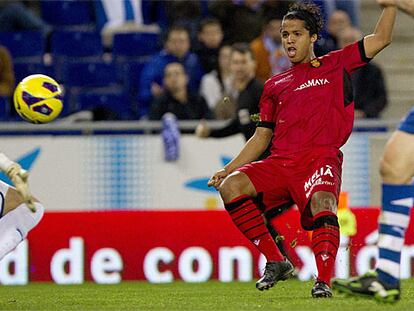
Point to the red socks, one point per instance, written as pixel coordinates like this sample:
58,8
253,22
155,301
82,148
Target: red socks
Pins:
248,218
325,243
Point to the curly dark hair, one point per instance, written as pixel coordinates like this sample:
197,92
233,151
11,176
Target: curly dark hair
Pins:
310,13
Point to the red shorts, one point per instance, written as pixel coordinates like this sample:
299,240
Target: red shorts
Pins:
283,181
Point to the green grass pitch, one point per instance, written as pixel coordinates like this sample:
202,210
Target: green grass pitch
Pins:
289,295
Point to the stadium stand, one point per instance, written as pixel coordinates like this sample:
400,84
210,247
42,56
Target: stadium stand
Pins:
74,41
74,46
97,78
68,14
4,108
129,74
105,105
96,74
129,46
130,53
71,44
24,46
397,61
22,70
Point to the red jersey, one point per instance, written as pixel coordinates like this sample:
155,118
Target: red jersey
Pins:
311,105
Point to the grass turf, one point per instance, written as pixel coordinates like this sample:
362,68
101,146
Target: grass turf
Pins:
289,295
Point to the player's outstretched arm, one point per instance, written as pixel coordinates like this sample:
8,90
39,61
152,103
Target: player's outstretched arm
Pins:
251,151
19,178
382,35
406,6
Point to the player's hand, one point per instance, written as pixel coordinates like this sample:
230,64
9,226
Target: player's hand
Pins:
217,178
19,178
156,89
202,129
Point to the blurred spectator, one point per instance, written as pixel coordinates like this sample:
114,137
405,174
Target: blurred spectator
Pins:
176,49
15,16
241,20
216,85
210,36
247,94
274,9
7,79
186,13
268,51
177,99
119,17
368,83
351,7
338,21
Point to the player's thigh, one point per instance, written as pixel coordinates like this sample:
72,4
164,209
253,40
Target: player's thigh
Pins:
397,163
253,178
317,187
265,175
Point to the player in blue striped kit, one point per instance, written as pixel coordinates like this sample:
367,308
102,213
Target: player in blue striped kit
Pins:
397,172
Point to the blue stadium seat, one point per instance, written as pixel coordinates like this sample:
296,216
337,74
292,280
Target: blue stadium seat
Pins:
24,45
85,74
114,102
67,12
4,108
76,44
22,70
129,75
88,77
135,45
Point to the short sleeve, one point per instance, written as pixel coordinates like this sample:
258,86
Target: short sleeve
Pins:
267,106
353,56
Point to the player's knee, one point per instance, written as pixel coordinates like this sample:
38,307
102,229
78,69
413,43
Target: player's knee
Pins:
393,172
323,201
228,187
233,186
13,200
27,218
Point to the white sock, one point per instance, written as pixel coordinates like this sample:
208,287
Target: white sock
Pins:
15,225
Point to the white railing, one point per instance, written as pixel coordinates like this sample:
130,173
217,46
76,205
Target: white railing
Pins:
145,126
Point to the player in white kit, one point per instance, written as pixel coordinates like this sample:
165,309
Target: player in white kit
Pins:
19,211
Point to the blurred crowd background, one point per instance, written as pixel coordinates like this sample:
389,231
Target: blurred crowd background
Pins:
138,59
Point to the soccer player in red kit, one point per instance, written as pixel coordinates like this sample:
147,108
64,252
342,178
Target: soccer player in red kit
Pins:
307,112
